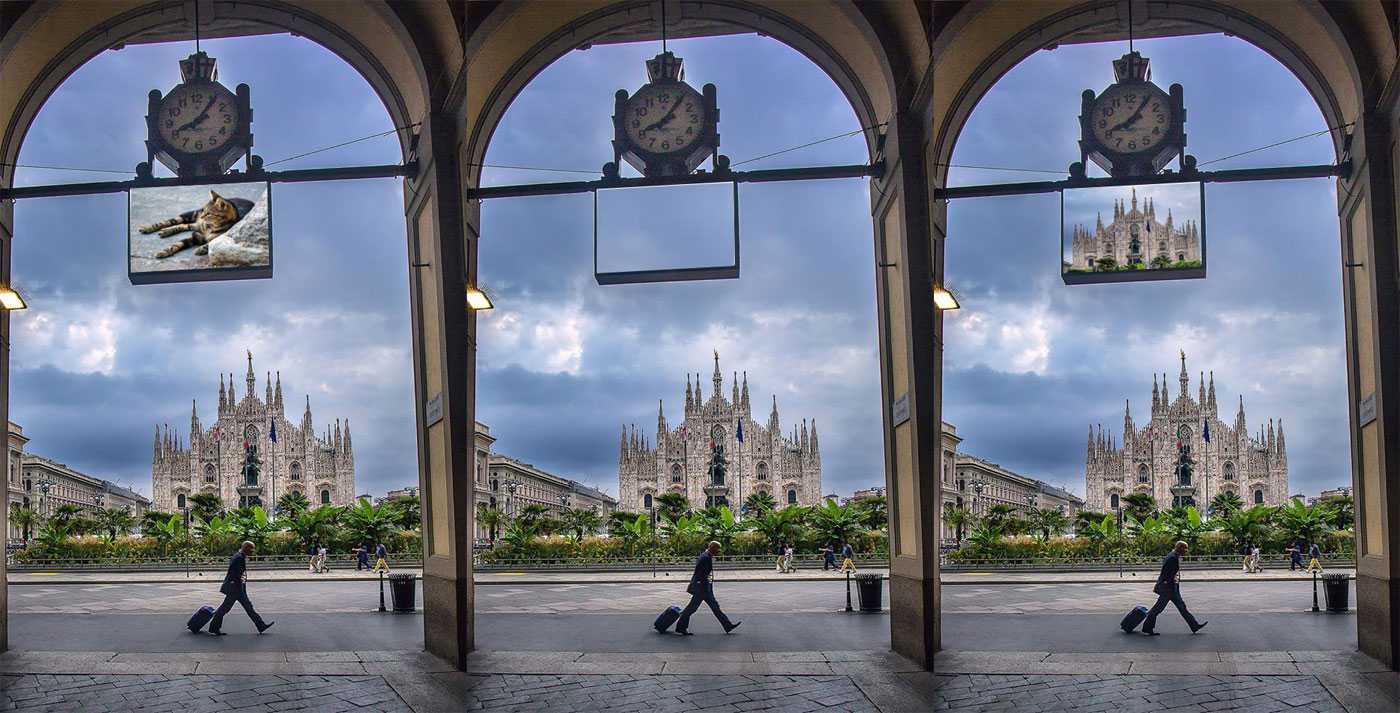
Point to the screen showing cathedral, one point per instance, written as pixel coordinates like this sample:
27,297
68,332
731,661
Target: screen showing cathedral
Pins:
666,233
197,233
1132,233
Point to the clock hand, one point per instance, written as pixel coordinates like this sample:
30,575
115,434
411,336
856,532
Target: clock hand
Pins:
198,119
1130,120
671,114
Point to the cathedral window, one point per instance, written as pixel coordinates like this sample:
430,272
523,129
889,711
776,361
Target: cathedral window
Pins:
325,497
1143,475
763,471
209,476
180,501
677,476
295,471
1258,497
1180,256
646,501
1113,501
792,497
1229,471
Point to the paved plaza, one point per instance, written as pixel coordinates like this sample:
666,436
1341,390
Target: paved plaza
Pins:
1015,643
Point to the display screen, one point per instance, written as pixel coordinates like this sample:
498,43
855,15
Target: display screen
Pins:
1133,233
196,233
666,233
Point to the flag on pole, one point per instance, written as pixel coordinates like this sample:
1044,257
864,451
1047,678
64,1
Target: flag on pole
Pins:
740,432
272,431
1206,433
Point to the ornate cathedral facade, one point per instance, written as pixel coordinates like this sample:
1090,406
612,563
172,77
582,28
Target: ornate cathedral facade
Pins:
1135,236
719,454
321,467
1171,458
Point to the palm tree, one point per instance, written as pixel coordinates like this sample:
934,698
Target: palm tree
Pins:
719,524
293,504
251,524
1046,521
671,506
532,513
313,526
958,518
407,512
998,515
1103,533
1139,505
490,518
366,522
874,512
66,512
519,535
24,518
618,519
1300,521
1245,526
114,520
1225,503
167,532
635,532
759,502
82,525
581,522
833,523
1340,512
985,537
778,526
1085,519
53,537
205,506
1185,524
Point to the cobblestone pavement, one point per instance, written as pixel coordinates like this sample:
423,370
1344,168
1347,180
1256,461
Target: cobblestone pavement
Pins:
158,693
1131,694
665,694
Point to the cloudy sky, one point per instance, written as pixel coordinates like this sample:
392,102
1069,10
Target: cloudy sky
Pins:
565,363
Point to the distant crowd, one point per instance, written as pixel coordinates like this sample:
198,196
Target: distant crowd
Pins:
1253,558
319,563
787,557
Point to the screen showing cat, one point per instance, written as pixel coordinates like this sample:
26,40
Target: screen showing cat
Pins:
196,233
1133,233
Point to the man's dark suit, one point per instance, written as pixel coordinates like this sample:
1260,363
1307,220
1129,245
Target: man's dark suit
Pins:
235,589
1168,590
701,589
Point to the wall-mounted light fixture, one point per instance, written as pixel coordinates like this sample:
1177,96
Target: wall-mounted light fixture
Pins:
944,299
477,299
10,300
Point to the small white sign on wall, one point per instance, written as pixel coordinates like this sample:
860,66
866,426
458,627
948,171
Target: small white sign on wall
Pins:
432,411
1366,410
899,411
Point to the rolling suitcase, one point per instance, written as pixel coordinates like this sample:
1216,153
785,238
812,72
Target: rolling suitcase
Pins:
200,618
666,619
1133,619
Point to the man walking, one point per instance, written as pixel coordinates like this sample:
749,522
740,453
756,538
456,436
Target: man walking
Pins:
1295,556
702,589
362,557
828,557
235,589
1168,589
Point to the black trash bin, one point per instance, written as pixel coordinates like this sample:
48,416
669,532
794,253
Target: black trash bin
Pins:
868,588
1335,589
401,587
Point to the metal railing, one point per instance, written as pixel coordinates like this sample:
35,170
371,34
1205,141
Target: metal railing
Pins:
643,563
183,563
1108,563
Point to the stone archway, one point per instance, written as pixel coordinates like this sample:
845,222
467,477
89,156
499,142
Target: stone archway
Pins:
1347,60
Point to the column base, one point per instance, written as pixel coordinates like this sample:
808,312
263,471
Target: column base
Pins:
915,630
448,618
1377,633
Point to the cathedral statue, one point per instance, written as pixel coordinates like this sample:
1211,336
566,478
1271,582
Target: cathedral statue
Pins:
718,465
1184,464
252,465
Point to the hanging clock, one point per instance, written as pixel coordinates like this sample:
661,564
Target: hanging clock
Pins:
1132,128
665,128
199,128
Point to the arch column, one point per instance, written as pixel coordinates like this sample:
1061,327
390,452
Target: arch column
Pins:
442,257
7,232
909,259
1368,204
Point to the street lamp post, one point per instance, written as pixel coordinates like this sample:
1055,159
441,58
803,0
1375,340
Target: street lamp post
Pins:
511,486
45,485
978,486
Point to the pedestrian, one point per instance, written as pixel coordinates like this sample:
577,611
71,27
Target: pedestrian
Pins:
235,589
702,589
321,554
362,557
1295,556
1248,556
848,558
1255,558
1168,589
782,554
828,557
381,558
1314,558
788,556
312,552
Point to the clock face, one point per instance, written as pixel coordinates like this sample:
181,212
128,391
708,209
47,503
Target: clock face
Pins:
1132,118
665,118
198,118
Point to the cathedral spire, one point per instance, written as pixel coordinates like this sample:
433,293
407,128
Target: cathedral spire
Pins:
306,417
347,435
699,397
194,420
734,398
773,416
232,396
223,398
1210,396
660,421
267,400
1184,378
1135,200
744,397
718,378
1156,398
689,400
277,396
1270,442
622,443
1099,226
1201,388
155,448
252,379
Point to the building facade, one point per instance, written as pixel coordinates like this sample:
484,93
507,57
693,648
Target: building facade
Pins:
509,485
43,485
1135,236
974,484
755,457
320,467
1171,459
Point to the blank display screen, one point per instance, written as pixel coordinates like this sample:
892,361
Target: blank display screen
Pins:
664,233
